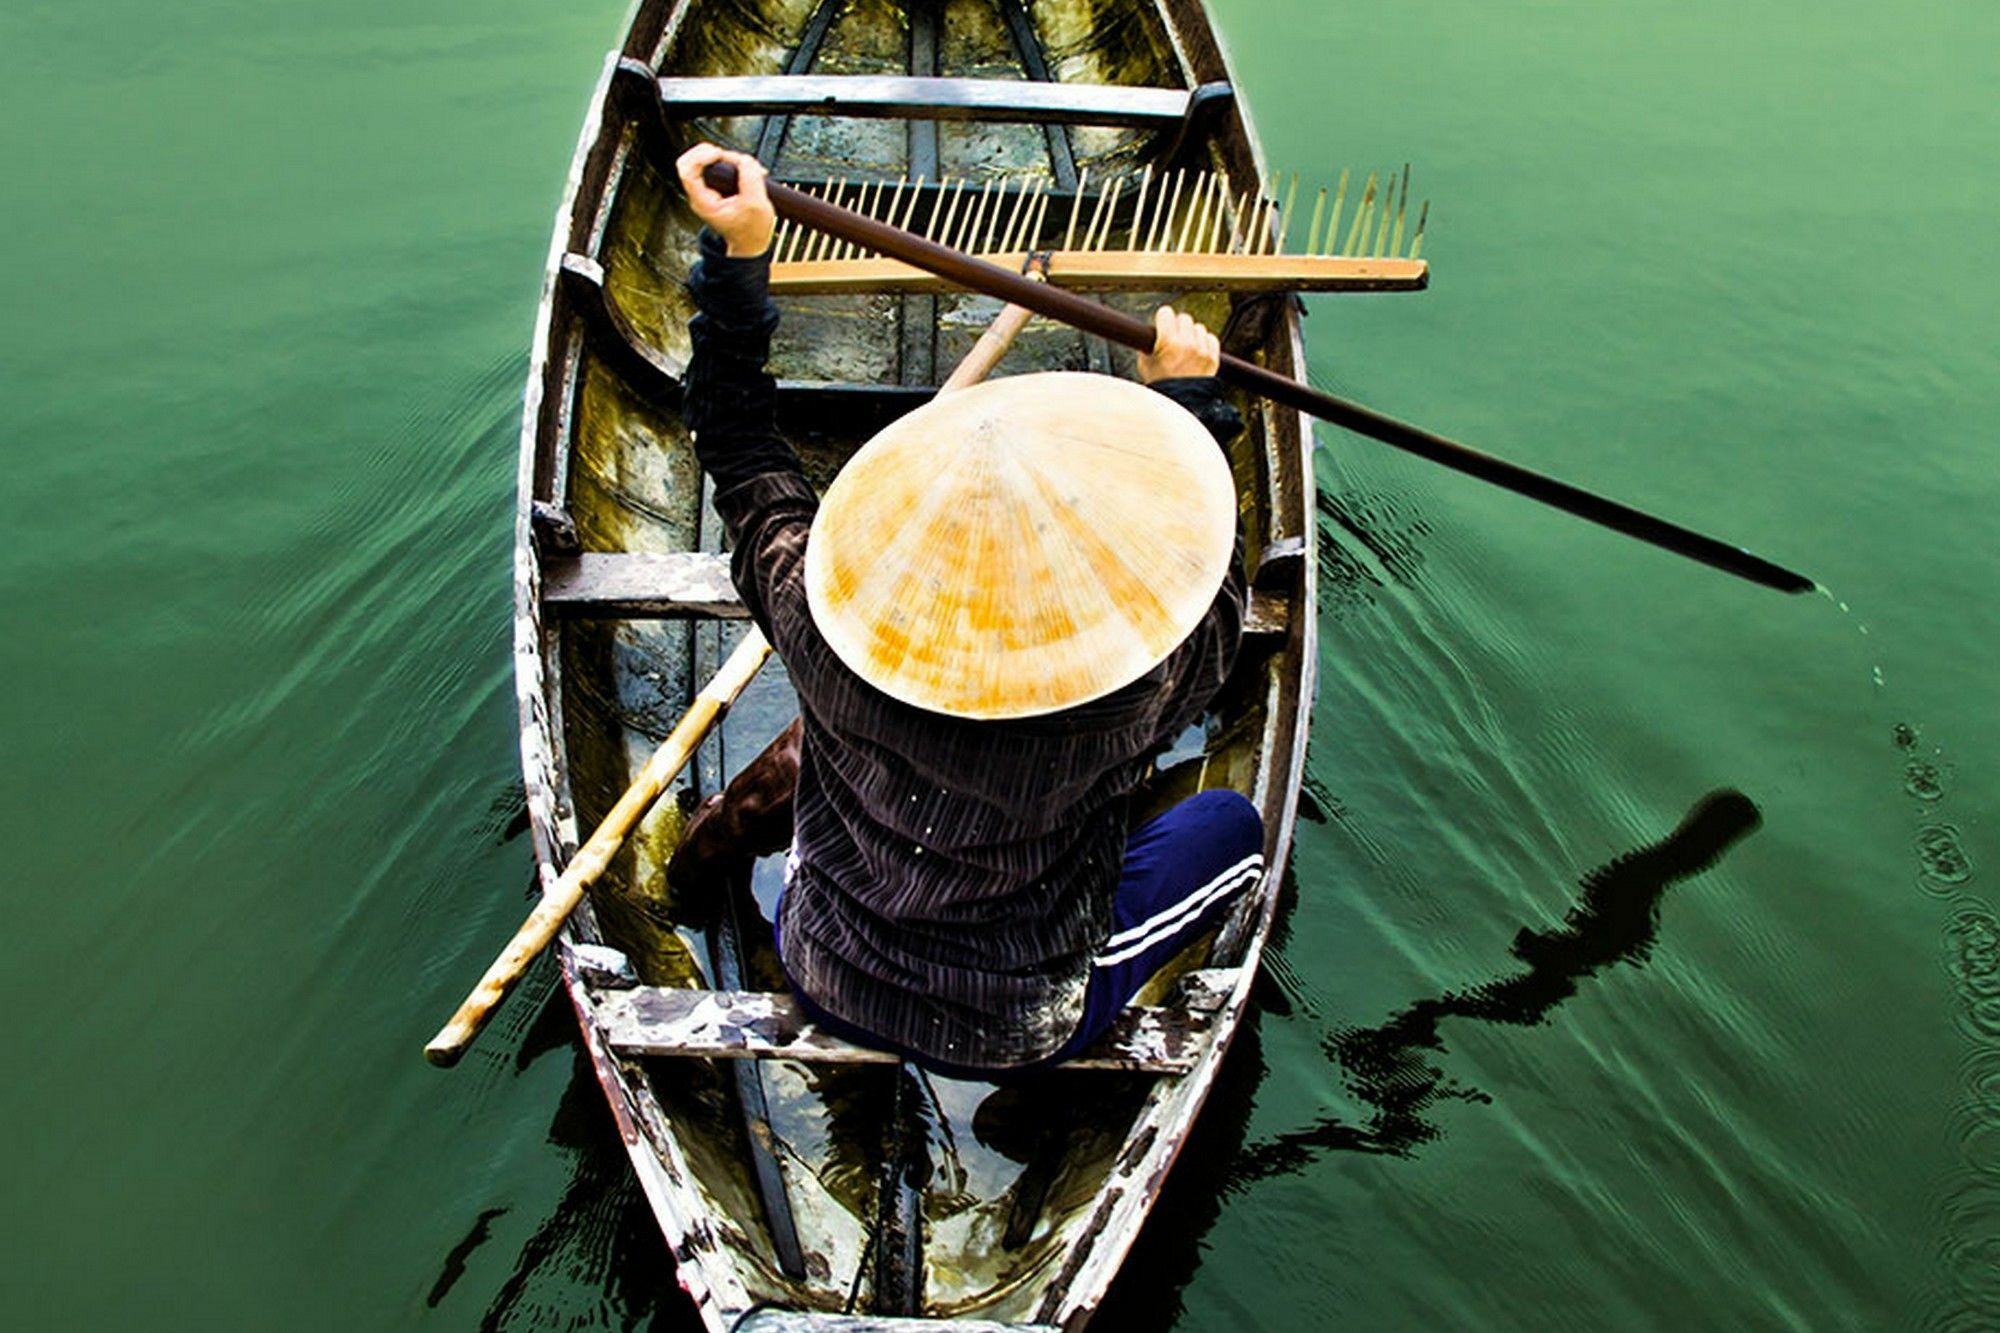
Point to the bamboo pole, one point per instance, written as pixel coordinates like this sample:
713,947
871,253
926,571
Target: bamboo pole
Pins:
591,859
992,345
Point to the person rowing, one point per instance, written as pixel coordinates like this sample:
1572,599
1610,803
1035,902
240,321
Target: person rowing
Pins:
1006,605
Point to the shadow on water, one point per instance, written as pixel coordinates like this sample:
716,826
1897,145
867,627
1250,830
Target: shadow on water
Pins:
599,1247
1391,1067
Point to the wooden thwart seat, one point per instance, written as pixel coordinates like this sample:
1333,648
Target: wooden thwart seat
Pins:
792,1321
691,585
760,1025
913,97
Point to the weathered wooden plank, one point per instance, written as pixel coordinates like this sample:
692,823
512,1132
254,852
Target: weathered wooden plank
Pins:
891,96
793,1321
758,1025
639,587
695,585
1126,270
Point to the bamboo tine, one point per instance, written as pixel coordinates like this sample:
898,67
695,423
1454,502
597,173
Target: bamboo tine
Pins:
1213,224
1186,226
1020,240
819,245
562,897
1096,213
1382,225
1267,219
871,192
1402,207
1006,217
794,234
941,229
1285,214
1211,231
1239,231
1361,214
1014,216
993,218
1312,228
1339,202
1373,229
1417,244
1138,232
1031,227
1031,230
1033,241
901,208
991,195
991,222
970,240
952,233
1075,207
1163,216
1191,227
1103,233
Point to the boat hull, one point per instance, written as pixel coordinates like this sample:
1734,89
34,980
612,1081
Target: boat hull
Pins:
606,466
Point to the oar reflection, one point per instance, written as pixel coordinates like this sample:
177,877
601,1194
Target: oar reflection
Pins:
1391,1066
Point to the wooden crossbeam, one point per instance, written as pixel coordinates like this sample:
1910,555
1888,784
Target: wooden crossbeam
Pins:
762,1025
1126,270
682,585
694,585
793,1321
908,97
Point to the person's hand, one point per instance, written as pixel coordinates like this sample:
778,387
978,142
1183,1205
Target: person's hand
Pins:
1181,347
744,220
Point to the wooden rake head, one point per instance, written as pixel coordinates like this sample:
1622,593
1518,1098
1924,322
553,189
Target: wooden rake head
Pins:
1144,231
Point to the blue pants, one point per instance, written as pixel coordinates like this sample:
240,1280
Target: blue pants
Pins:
1183,871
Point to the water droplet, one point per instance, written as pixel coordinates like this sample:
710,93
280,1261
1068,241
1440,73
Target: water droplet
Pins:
1922,780
1943,857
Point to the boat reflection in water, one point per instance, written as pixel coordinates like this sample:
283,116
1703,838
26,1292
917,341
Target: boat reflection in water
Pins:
1392,1066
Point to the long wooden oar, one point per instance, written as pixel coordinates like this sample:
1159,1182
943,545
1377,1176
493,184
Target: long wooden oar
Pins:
591,859
1092,317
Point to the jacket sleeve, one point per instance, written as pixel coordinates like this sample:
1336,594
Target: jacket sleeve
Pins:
1202,396
730,401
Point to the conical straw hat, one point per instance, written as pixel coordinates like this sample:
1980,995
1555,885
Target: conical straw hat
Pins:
1022,546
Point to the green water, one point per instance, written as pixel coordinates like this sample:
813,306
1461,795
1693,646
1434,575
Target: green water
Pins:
269,283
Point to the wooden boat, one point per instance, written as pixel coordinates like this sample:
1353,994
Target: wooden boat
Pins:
801,1183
